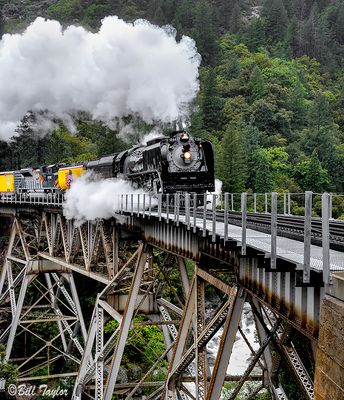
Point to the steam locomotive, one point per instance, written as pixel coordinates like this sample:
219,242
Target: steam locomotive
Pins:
178,163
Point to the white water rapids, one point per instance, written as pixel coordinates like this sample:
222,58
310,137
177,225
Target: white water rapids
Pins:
241,354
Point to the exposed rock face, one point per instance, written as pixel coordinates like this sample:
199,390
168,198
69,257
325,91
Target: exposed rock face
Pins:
329,373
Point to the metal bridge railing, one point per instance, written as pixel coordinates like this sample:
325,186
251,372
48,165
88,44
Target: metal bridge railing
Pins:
55,199
310,221
311,217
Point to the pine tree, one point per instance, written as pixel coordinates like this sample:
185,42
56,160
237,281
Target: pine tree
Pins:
339,25
250,136
264,181
292,39
2,25
224,11
211,103
257,84
235,22
184,18
316,177
276,19
204,33
233,166
155,12
310,33
319,113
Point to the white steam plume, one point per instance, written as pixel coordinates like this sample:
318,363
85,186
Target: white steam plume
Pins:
91,198
131,134
124,69
155,133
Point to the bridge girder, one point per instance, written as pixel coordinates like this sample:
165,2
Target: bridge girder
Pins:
49,249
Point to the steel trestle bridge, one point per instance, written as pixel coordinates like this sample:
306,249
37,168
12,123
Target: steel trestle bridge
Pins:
278,255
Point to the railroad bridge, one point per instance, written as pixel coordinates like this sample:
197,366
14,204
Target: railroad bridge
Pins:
251,250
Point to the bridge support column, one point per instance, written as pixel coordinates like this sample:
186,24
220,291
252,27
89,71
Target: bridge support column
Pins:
329,371
38,292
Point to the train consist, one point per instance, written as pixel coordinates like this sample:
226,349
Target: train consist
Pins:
178,163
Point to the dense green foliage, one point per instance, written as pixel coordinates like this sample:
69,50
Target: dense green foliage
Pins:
271,102
272,88
8,371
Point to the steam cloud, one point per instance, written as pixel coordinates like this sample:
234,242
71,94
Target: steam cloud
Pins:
124,69
91,198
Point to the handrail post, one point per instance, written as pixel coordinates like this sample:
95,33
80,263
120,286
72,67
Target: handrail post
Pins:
225,217
205,215
243,222
331,206
284,203
144,206
255,203
138,204
273,229
167,208
159,206
266,203
187,210
232,201
325,221
307,237
214,219
132,204
289,204
150,205
178,207
195,212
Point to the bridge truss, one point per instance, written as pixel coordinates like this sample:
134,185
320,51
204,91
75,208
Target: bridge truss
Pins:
39,285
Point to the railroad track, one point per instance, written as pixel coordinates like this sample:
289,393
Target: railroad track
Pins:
289,226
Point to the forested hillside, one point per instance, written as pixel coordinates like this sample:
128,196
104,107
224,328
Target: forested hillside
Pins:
272,87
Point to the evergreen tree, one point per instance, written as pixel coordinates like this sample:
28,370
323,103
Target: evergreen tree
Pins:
263,181
224,12
2,25
319,114
29,146
316,177
233,166
184,18
310,33
169,10
255,35
155,12
257,84
297,104
251,145
211,104
235,22
276,19
204,34
292,39
339,24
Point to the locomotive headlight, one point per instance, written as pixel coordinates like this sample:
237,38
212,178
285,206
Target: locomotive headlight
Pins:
187,155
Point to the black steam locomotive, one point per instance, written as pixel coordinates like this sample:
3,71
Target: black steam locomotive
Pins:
179,163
